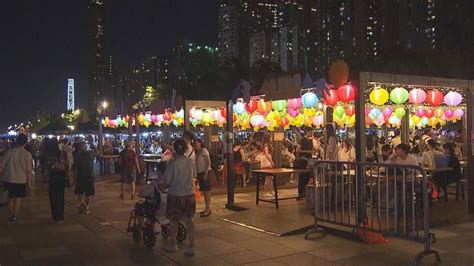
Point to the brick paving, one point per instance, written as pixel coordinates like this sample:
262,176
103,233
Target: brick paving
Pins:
100,238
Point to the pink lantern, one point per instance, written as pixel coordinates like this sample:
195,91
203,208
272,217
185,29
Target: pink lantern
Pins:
366,111
417,96
452,98
154,119
294,103
449,113
293,112
387,112
159,118
420,112
192,112
459,113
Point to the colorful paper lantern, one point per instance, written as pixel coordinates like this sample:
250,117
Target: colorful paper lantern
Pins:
429,113
294,103
399,95
180,114
284,122
439,112
309,99
400,112
420,112
433,121
224,112
293,112
449,113
256,120
330,97
379,121
434,97
393,120
378,96
416,119
279,105
251,106
375,113
239,108
318,120
346,93
387,112
350,110
417,96
368,121
458,113
339,111
452,98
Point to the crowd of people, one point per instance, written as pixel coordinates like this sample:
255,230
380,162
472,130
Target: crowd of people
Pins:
186,164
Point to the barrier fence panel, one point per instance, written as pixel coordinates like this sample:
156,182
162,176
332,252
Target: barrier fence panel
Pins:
390,199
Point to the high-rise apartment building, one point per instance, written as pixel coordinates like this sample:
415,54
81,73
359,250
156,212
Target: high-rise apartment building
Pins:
97,61
228,20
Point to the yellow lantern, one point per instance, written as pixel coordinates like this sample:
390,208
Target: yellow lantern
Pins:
378,96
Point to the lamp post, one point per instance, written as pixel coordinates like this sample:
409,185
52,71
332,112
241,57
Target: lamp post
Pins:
104,106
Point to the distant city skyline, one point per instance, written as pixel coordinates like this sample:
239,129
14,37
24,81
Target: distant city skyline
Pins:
48,43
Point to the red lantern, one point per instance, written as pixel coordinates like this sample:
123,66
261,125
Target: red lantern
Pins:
434,97
368,122
167,116
346,93
234,117
330,97
429,113
127,118
350,110
224,112
251,106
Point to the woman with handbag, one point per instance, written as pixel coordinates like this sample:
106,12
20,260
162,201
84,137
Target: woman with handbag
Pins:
56,175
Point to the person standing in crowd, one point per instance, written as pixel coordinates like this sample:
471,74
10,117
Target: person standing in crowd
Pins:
288,157
239,159
56,177
396,140
347,151
403,155
203,165
370,149
181,203
304,150
17,171
107,150
83,169
129,167
188,137
317,146
331,143
267,150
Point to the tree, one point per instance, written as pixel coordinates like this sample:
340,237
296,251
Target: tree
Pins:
150,97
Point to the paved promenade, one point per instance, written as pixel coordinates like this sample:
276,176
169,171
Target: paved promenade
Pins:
100,238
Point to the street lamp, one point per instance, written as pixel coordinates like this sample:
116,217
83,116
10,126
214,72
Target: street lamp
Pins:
104,105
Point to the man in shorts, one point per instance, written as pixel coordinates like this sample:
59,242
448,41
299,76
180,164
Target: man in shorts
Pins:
17,172
129,168
83,169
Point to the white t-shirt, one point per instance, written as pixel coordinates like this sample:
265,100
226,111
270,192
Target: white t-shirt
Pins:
17,166
202,164
410,160
425,160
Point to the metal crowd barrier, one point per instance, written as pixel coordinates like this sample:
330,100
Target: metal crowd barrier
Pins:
389,199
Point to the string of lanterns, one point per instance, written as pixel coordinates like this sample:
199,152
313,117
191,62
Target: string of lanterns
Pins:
427,107
168,118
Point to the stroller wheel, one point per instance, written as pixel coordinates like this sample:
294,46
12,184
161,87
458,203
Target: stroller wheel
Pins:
182,233
137,236
149,237
165,231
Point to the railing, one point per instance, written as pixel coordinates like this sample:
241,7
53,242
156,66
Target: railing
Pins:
389,199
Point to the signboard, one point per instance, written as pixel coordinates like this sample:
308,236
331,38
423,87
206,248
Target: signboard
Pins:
278,136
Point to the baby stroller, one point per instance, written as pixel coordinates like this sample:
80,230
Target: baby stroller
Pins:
149,212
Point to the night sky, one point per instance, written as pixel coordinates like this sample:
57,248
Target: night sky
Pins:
45,42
